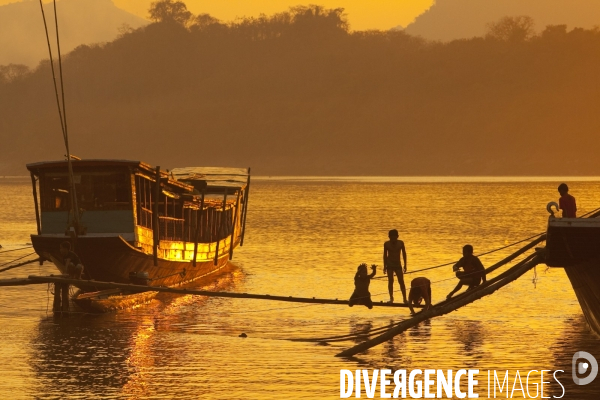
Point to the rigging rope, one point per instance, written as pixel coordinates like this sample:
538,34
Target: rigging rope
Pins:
591,212
17,259
62,125
478,255
22,248
62,113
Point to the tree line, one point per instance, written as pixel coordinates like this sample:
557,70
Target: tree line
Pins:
298,92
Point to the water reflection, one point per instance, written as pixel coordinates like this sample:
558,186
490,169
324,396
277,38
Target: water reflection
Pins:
80,355
422,331
361,330
116,353
576,336
471,335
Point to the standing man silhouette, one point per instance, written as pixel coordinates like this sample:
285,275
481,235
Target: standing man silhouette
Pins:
391,263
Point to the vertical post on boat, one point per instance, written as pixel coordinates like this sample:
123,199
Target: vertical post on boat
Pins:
60,305
232,240
220,221
155,221
198,226
37,209
56,304
245,208
65,299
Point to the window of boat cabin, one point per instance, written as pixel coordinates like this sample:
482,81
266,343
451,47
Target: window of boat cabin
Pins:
96,190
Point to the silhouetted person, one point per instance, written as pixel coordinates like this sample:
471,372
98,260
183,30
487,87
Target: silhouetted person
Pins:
362,280
473,272
391,263
566,202
71,261
420,289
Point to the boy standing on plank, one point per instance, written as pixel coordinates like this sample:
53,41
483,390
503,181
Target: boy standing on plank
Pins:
392,265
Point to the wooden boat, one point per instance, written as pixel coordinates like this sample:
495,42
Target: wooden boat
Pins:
139,224
574,244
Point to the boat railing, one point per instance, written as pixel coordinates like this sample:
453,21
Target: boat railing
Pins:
145,217
170,228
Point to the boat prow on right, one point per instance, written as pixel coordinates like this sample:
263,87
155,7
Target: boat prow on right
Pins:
574,244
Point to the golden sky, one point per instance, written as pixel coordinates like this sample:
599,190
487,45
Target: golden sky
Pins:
362,14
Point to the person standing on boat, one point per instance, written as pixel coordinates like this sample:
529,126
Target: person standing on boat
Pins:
566,202
392,265
362,280
473,271
71,261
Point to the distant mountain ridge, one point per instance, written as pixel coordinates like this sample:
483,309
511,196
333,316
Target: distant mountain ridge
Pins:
22,37
458,19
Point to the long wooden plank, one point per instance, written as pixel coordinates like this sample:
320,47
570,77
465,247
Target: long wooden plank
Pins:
139,288
18,282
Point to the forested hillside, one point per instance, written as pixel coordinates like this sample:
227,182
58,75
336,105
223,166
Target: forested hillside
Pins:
298,93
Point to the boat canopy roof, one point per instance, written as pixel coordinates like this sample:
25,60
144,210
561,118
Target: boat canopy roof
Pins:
145,168
216,178
35,167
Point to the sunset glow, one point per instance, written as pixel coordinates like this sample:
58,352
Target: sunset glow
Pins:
363,15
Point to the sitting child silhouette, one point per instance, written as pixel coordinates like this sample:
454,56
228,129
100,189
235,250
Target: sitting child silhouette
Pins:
362,280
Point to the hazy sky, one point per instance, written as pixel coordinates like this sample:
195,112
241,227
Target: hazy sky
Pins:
363,14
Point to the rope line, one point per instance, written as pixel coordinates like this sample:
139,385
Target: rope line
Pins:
17,259
478,255
591,212
20,264
60,115
8,251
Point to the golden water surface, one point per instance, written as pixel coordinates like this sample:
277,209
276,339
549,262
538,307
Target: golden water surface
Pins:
305,238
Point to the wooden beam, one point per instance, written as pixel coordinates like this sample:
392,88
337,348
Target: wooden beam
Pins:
220,227
199,220
235,217
33,279
246,196
37,208
155,222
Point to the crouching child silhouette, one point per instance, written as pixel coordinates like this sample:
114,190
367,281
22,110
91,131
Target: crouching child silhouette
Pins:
420,289
362,280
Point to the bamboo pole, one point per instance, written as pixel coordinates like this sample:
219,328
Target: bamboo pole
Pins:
35,200
246,196
449,306
155,222
233,226
65,299
33,279
219,226
198,226
21,264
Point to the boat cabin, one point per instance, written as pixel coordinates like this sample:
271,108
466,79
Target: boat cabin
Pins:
184,211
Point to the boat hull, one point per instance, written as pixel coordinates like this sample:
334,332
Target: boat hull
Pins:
112,259
585,279
574,244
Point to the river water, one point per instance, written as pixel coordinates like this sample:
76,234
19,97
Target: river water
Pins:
305,237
